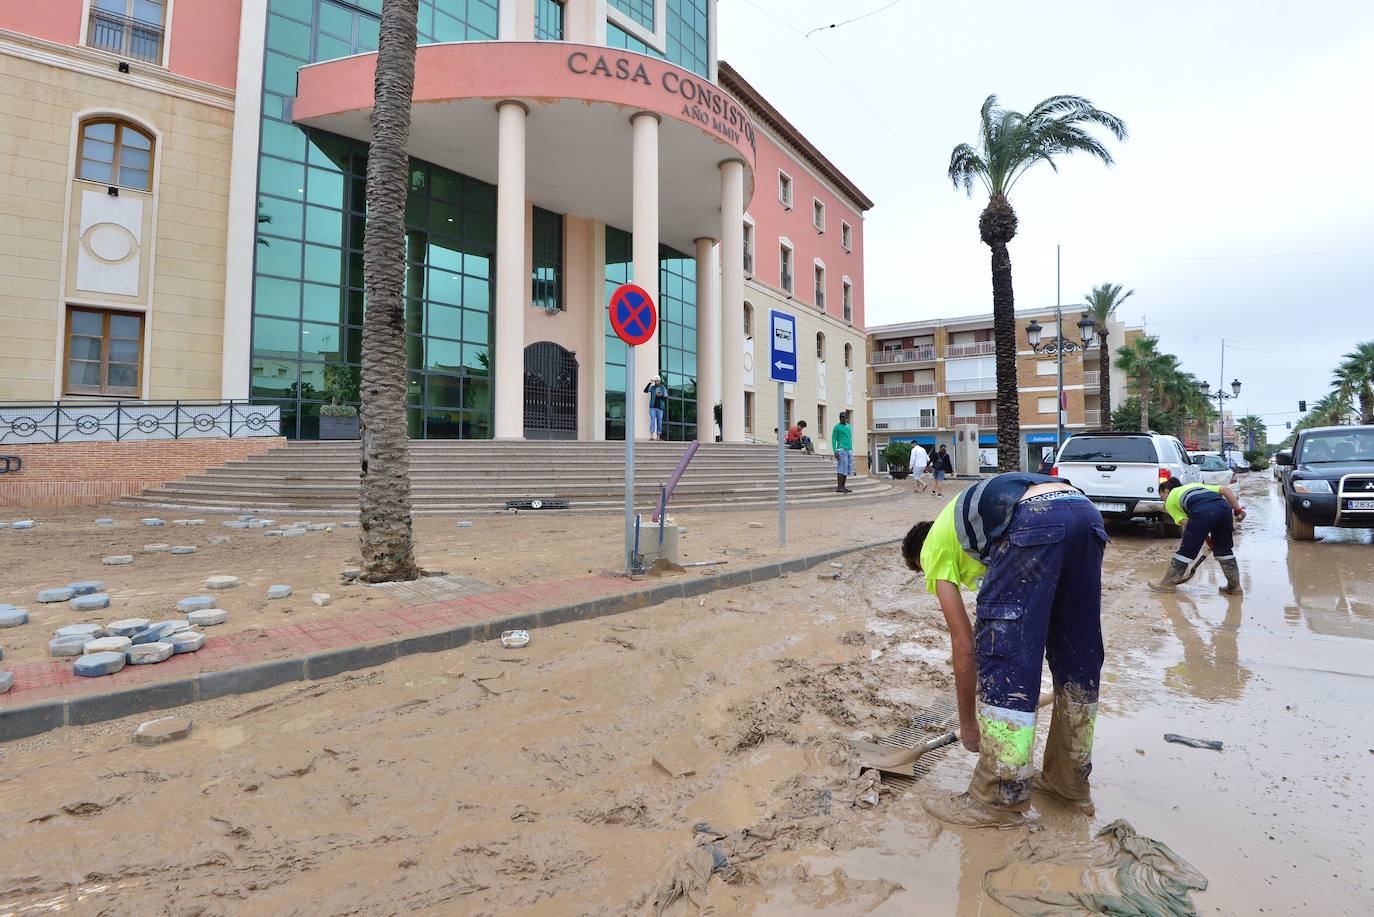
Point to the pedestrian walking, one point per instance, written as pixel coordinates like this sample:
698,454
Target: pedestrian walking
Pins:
842,443
1208,514
1036,544
658,406
918,463
940,465
797,438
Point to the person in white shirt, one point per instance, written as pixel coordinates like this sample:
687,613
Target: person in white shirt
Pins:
919,460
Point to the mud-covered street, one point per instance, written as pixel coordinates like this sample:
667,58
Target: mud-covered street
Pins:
584,773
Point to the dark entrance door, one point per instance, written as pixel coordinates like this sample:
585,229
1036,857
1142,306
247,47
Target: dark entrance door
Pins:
550,392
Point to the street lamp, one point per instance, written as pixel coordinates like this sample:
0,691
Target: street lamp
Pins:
1059,345
1222,397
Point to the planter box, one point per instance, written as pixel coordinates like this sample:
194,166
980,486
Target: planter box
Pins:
338,427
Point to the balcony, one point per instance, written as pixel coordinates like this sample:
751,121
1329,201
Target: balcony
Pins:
964,386
1092,418
985,421
125,37
901,424
902,390
980,349
1092,378
922,354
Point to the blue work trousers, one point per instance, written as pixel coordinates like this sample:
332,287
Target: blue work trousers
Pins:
1208,517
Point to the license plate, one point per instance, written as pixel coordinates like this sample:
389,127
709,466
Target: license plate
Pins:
1118,507
1360,504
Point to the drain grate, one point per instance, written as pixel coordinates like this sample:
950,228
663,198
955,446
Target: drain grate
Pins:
927,723
435,588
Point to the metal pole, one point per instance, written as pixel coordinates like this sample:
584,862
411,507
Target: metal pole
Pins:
782,472
629,457
1221,402
1059,347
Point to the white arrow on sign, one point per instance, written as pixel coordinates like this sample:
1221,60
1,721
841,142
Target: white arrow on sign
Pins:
781,365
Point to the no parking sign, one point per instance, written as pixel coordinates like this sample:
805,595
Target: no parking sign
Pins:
633,316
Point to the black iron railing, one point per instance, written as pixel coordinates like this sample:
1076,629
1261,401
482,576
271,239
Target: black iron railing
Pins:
116,421
125,36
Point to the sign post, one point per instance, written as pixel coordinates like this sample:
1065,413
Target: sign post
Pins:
782,368
633,318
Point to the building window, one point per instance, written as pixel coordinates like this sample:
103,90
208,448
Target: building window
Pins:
847,300
820,286
748,248
820,346
748,412
1047,405
547,285
785,189
104,352
129,28
821,428
848,356
847,236
641,11
785,268
548,20
115,153
748,320
818,215
786,416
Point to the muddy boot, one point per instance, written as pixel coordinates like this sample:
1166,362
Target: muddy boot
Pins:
999,790
1177,573
1231,570
963,811
1069,752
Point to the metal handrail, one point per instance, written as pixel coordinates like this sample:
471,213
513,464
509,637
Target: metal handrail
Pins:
976,349
899,389
126,36
907,355
116,419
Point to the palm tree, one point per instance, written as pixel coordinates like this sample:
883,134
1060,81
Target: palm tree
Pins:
1009,143
1102,304
1252,427
1355,379
1332,410
388,553
1141,360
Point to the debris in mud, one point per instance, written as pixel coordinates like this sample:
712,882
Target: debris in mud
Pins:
1209,744
853,638
163,729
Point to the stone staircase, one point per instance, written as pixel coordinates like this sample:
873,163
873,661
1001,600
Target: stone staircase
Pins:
449,476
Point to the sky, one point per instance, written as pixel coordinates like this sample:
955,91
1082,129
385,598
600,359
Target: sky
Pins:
1250,145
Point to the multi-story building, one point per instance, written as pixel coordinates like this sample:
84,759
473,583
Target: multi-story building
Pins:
927,377
186,211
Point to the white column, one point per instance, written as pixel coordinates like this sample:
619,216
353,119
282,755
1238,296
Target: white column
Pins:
708,342
732,298
645,253
510,271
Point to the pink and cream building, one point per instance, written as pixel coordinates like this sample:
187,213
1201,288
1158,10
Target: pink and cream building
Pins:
186,215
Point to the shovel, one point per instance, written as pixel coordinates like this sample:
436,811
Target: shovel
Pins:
896,760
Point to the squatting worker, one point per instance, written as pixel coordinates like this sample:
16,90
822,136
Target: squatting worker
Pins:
1036,543
1208,514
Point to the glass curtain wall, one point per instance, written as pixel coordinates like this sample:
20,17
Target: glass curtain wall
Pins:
308,289
689,43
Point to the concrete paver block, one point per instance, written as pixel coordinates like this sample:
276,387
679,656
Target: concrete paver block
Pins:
152,521
24,524
107,645
6,681
97,664
183,549
156,548
68,646
207,617
93,602
86,586
195,602
126,627
117,560
163,729
321,598
188,641
153,633
56,594
149,653
218,539
89,631
13,617
221,581
104,520
279,591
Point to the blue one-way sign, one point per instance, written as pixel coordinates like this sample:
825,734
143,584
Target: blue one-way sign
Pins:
782,360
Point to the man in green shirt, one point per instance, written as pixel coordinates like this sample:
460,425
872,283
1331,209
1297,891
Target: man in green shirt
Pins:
842,444
1208,514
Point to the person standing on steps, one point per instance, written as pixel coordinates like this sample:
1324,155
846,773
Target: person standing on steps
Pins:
1032,547
918,463
941,464
1208,514
658,406
842,443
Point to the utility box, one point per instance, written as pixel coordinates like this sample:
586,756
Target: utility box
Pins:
966,450
648,540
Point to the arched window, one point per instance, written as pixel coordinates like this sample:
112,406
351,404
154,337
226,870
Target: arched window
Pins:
848,356
748,320
114,152
820,346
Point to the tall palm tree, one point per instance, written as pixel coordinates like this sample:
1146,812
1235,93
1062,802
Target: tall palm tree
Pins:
1355,379
1141,360
1331,410
1252,427
1102,304
388,552
1009,143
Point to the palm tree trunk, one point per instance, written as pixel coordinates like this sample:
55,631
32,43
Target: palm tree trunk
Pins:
1104,392
388,553
997,226
1366,406
1144,402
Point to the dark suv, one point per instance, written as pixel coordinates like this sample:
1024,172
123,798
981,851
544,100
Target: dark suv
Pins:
1328,479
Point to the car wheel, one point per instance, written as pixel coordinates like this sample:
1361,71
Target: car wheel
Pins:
1297,529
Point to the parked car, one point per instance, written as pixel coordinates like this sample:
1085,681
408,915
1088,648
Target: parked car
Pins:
1121,472
1328,480
1213,469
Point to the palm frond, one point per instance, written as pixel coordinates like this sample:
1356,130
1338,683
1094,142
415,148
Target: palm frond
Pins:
964,166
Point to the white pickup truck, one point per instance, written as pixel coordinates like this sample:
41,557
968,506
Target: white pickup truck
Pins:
1121,472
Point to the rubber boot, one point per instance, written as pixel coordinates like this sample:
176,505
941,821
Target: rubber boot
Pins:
1231,570
999,790
1069,752
1177,573
839,486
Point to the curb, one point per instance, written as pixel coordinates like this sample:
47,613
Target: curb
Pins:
23,722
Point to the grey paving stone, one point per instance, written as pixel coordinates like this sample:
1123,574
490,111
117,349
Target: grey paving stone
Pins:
272,534
24,524
93,602
86,586
188,522
149,653
188,641
68,646
292,533
172,626
13,617
107,645
261,524
321,598
156,548
89,631
351,525
279,591
218,539
320,527
163,729
6,681
463,525
56,594
194,602
118,560
207,617
221,581
104,520
152,521
244,517
235,524
155,632
126,627
183,549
